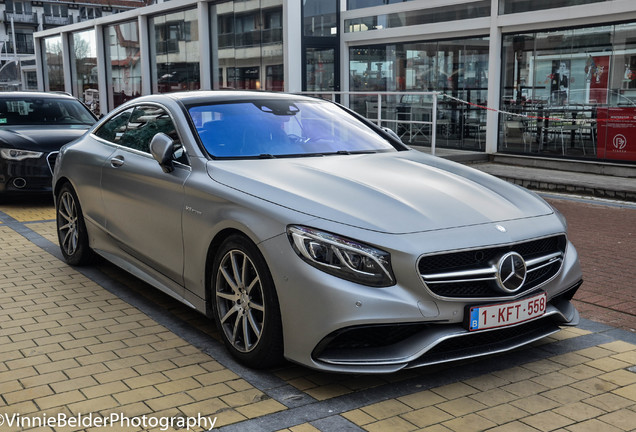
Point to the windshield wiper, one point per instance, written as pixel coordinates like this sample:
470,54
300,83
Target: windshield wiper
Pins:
317,154
352,152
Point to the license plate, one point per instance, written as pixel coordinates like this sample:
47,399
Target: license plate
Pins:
505,314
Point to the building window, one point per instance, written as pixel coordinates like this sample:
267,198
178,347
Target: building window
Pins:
23,42
272,26
169,34
563,91
55,10
19,7
84,68
456,67
244,78
517,6
123,66
250,53
247,29
53,64
31,80
479,9
321,73
359,4
175,49
254,28
320,18
88,13
275,78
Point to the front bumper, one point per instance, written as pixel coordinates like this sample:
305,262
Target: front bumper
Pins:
28,175
335,325
431,344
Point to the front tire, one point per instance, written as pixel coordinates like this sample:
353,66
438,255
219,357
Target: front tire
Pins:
71,229
246,307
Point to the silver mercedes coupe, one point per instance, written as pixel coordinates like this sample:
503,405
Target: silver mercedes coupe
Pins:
308,233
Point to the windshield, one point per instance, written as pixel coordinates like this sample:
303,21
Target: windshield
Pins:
40,111
278,128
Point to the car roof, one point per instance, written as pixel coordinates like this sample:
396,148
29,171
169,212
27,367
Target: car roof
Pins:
43,95
216,96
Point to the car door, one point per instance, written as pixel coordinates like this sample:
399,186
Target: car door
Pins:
143,204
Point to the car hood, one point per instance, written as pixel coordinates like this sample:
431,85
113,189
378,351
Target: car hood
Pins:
39,138
401,192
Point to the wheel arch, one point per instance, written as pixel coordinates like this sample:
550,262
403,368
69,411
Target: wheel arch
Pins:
58,185
268,350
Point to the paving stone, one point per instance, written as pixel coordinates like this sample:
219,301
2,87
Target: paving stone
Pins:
68,344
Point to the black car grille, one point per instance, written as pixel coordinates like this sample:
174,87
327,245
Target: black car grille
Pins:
472,273
51,158
372,336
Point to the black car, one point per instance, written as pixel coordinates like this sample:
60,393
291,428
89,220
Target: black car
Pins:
33,127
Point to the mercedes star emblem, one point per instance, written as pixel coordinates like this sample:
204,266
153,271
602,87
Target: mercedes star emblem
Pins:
511,272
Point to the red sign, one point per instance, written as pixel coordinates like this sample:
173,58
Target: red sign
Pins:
617,133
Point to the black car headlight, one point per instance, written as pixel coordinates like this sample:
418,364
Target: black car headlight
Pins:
18,155
342,257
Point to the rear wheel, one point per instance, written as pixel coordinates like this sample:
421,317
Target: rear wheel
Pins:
246,307
71,229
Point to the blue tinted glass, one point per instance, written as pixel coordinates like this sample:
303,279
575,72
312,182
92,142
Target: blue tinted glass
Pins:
282,128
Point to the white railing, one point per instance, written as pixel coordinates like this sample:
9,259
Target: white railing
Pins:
398,114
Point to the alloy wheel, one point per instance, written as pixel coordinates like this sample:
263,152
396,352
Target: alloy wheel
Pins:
68,228
240,300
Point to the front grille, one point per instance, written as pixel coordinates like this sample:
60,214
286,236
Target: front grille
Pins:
472,273
51,158
371,336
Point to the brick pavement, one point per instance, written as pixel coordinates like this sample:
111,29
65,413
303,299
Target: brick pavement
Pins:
97,340
68,345
605,238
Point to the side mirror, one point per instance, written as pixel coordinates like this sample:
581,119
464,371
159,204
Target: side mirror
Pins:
162,149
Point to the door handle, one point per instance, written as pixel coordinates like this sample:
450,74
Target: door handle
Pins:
117,161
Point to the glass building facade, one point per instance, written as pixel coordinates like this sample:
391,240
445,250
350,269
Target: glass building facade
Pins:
540,78
517,6
123,62
250,51
457,67
84,67
53,63
160,49
568,85
175,47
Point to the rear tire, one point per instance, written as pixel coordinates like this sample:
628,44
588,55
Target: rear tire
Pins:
245,304
71,229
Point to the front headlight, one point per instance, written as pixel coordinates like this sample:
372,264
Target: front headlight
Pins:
18,155
342,257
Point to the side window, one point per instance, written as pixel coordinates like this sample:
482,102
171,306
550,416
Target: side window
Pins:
135,127
114,129
145,122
